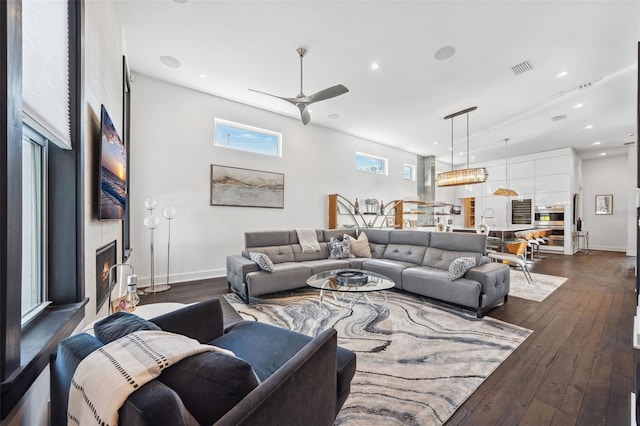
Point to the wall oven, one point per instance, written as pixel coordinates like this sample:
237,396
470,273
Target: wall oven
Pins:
551,218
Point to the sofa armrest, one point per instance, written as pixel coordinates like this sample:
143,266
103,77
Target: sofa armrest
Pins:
237,269
305,385
202,321
489,275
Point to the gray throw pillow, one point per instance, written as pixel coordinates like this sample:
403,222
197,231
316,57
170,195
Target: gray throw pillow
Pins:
460,266
262,260
339,249
119,325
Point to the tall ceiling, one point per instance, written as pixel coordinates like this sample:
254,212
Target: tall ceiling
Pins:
243,44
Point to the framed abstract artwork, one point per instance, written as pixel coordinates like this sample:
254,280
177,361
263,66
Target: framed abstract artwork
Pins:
604,204
233,186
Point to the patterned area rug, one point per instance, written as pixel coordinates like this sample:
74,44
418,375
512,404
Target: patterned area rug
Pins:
418,361
542,286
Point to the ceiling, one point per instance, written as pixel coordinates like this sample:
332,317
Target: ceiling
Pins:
241,44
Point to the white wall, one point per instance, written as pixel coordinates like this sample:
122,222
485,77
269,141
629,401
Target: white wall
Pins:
171,154
607,175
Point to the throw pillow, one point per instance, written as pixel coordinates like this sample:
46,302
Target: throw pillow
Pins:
359,247
225,380
262,260
119,325
339,249
460,266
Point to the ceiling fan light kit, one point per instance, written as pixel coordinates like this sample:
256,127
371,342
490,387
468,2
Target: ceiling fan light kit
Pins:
301,101
466,176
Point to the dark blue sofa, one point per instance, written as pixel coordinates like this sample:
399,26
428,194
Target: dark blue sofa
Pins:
278,377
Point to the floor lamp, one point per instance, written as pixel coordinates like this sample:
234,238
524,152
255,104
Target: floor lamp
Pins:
169,213
152,222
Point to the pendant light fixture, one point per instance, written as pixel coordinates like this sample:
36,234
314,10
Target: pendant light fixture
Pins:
462,176
506,192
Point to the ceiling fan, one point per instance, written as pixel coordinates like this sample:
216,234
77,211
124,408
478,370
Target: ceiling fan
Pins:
301,101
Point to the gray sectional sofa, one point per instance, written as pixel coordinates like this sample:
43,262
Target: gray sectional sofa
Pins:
416,261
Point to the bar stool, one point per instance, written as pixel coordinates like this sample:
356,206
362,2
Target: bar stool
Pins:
517,256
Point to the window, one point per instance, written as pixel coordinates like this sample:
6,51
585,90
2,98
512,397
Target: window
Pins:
409,172
371,164
247,138
33,220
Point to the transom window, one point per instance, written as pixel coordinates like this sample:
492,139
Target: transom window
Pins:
409,172
247,138
371,163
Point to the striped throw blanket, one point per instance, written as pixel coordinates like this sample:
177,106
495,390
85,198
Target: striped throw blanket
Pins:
107,376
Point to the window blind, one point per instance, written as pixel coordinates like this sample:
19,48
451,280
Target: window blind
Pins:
45,68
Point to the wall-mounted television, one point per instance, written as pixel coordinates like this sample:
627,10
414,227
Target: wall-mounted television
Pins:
113,171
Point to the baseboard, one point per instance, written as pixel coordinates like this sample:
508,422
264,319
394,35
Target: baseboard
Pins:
180,278
632,252
607,248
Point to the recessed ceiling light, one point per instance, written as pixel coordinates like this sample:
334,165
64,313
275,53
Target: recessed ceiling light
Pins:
375,66
473,158
596,143
630,134
444,53
603,153
450,149
461,152
435,142
334,116
589,126
577,106
170,61
180,1
202,75
562,74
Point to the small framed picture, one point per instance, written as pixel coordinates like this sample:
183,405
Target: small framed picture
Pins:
120,304
391,221
604,204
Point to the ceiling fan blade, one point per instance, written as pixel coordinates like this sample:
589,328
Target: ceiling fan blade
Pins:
329,93
304,113
290,100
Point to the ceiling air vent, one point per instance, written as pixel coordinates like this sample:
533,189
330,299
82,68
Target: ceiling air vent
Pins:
558,117
630,143
521,68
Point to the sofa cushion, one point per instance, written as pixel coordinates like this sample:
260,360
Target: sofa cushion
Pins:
210,383
435,283
339,249
277,254
405,253
391,269
459,266
285,276
410,237
301,256
441,259
338,233
459,241
360,246
322,265
377,250
266,238
262,260
267,348
120,324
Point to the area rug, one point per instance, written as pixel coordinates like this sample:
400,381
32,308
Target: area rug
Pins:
418,361
542,286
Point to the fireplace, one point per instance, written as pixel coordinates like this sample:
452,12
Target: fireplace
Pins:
106,257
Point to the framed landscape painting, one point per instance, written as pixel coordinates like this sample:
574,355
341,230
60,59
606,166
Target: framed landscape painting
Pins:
233,186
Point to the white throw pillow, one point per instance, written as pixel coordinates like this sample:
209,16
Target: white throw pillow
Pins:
359,247
460,266
262,260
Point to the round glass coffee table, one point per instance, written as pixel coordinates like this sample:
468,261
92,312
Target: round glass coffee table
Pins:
335,281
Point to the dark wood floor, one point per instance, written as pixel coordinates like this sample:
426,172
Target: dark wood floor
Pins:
577,366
